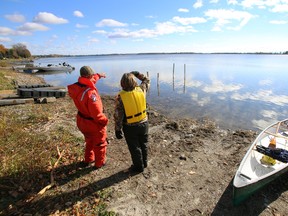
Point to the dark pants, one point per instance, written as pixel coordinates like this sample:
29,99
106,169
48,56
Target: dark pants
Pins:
136,137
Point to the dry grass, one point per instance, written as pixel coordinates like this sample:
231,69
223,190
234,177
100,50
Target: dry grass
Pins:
6,82
36,140
26,145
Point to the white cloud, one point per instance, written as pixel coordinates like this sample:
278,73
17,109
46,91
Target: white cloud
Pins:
232,2
125,33
137,40
81,26
170,28
5,39
151,17
274,5
93,40
44,17
226,17
184,10
24,33
198,4
216,29
78,14
189,21
9,31
110,23
15,17
23,30
251,3
6,31
278,22
160,29
280,8
33,27
100,32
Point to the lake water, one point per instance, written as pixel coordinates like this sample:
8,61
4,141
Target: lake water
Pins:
238,91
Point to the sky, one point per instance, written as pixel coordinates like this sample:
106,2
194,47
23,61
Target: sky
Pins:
87,27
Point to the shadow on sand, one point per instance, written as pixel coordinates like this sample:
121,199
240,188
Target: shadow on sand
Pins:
63,197
255,204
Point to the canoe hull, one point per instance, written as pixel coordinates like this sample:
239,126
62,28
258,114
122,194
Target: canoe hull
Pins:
252,173
240,194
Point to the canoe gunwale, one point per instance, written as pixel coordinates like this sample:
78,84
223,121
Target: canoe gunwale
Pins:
245,185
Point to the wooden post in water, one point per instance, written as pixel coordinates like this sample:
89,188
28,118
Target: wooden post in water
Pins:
173,75
148,92
158,88
184,78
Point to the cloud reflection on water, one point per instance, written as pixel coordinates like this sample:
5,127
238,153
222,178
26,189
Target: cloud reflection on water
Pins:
262,95
219,87
238,91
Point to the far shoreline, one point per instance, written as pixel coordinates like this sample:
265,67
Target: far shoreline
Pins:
163,53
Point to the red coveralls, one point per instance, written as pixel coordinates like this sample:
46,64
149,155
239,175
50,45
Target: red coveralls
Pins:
91,120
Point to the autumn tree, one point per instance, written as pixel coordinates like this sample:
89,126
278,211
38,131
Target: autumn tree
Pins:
17,51
21,50
3,51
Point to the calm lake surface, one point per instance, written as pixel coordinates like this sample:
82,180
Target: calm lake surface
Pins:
238,91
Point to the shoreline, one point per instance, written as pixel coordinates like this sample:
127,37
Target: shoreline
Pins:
190,170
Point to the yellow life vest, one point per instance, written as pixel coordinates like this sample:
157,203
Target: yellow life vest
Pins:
268,160
134,104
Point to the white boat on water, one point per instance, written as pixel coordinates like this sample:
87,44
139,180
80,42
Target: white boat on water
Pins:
61,67
52,67
263,161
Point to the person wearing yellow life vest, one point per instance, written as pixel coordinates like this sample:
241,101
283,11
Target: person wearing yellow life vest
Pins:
131,117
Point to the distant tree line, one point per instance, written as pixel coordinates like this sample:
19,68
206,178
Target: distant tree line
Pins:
17,51
20,50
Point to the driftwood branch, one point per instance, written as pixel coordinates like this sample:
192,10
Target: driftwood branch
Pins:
60,154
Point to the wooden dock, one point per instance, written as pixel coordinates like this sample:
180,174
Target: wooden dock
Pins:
31,93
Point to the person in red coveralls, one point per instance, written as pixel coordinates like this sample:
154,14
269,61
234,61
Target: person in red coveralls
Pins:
91,120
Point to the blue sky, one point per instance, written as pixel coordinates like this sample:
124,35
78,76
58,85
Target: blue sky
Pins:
125,26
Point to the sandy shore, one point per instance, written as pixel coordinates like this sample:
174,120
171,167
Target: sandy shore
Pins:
191,167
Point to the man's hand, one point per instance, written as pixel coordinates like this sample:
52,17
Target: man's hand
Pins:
135,73
119,134
102,75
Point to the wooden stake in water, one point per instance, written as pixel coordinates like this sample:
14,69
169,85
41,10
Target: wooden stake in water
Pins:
148,92
173,75
184,78
158,88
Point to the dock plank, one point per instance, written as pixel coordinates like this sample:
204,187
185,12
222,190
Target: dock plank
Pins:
5,102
